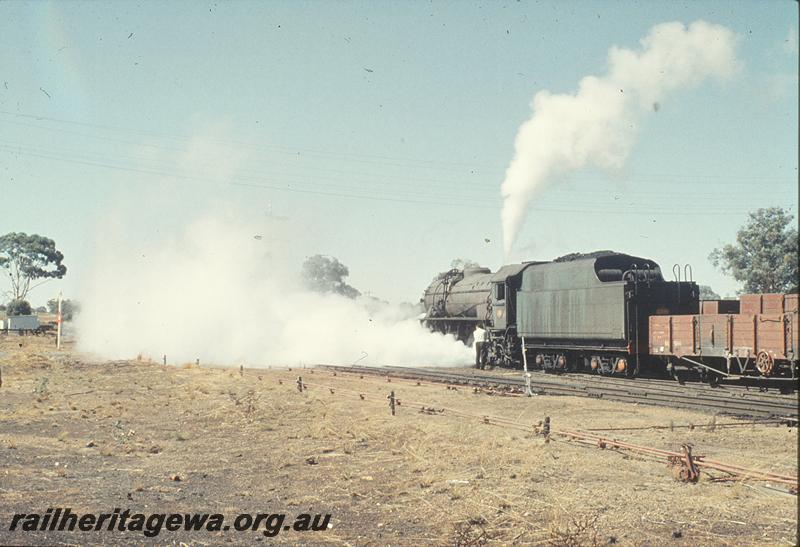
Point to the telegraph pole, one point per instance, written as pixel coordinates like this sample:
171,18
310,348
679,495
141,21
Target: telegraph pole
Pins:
58,323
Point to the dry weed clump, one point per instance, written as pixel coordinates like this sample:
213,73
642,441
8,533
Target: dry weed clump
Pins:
42,391
471,533
569,530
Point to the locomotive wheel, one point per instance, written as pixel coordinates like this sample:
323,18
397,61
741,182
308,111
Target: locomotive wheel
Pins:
765,363
605,368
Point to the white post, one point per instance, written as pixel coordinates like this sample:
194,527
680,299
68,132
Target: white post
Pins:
58,323
528,391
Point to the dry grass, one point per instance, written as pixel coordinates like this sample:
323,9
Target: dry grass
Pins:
250,442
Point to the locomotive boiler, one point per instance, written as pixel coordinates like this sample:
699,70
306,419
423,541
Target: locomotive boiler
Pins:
456,302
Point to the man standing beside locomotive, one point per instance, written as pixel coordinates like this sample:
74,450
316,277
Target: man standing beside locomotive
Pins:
479,343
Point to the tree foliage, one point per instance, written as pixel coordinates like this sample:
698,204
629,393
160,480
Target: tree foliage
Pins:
68,308
707,293
28,258
325,274
18,307
764,257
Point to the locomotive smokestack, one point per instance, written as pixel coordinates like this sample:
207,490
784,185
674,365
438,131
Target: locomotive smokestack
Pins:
597,124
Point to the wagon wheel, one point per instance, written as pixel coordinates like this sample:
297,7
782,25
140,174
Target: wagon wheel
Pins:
764,363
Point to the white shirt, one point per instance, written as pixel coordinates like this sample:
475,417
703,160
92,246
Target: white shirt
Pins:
478,335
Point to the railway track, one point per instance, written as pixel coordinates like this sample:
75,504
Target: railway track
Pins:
734,401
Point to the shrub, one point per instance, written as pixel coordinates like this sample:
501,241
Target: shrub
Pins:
18,307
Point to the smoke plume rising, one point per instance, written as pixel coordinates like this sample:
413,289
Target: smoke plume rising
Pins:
596,125
218,292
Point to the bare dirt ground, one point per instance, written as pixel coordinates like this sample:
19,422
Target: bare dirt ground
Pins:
94,436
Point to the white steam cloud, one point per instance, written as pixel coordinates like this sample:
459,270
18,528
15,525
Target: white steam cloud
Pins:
215,292
596,125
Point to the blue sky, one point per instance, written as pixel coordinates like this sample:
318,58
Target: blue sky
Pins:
378,132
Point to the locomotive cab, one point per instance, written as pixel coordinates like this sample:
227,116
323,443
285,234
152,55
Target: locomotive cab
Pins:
504,346
500,315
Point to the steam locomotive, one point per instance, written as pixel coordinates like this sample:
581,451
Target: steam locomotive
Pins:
600,312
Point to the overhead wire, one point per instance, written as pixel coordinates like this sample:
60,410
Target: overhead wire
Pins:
464,189
454,201
353,155
464,193
628,188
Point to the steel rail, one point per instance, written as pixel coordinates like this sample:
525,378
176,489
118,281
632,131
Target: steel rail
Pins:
631,387
737,404
728,389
